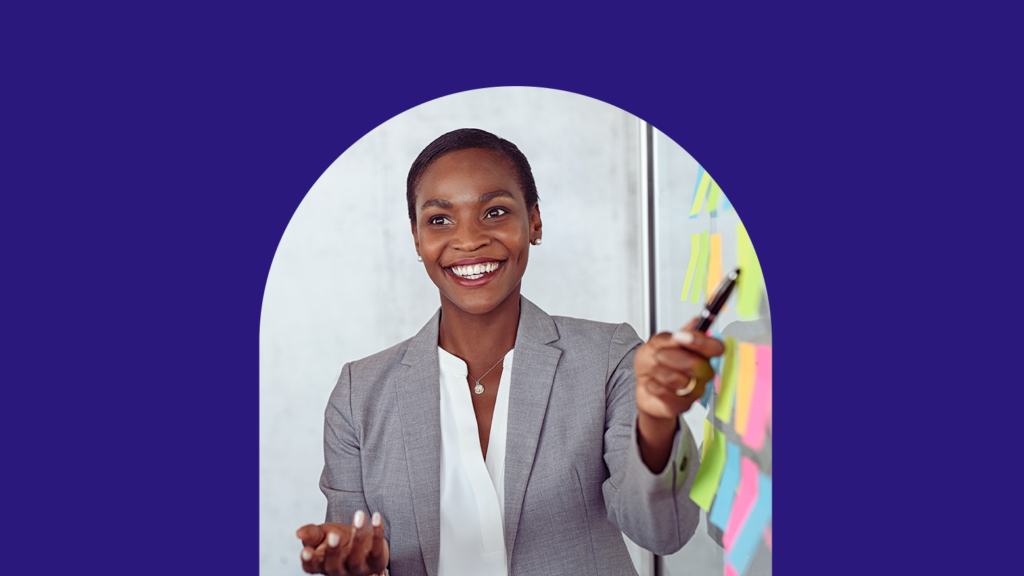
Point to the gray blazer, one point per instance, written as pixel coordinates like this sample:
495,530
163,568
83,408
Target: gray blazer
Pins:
573,474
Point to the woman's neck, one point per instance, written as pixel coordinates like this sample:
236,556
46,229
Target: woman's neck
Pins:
479,337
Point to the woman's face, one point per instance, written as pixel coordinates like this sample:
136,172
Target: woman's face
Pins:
473,229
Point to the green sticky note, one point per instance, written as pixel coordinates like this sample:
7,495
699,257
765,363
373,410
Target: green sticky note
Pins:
702,190
751,281
709,431
692,266
710,472
723,410
713,196
700,275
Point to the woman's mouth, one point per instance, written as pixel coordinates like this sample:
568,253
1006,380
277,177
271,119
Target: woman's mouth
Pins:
475,271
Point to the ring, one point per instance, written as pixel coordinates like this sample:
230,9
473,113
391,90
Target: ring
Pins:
689,387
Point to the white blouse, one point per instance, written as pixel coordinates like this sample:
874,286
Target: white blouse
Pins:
472,489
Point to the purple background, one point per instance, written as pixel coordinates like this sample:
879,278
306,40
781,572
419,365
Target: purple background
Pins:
153,157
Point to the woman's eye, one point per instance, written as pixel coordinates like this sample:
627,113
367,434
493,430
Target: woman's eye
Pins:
495,212
438,221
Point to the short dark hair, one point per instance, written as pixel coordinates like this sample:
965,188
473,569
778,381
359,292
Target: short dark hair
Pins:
463,139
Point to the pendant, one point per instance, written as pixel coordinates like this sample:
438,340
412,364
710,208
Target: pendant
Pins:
479,388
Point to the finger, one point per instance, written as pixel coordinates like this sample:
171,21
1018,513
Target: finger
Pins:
668,377
361,540
338,543
376,559
312,562
311,535
700,343
685,362
669,395
661,340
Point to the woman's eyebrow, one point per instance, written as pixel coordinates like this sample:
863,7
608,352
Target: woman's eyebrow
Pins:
483,199
488,196
444,204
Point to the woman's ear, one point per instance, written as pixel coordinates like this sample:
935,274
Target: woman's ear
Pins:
415,237
535,223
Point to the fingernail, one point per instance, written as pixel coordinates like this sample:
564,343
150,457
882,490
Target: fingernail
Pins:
375,519
307,555
333,539
683,337
359,520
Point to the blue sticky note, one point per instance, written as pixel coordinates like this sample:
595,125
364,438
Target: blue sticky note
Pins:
708,390
726,487
723,203
716,362
750,535
716,365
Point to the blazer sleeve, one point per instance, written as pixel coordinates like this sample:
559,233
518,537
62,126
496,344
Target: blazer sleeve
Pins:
342,478
654,510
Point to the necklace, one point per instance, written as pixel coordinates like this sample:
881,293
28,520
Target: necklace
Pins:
479,388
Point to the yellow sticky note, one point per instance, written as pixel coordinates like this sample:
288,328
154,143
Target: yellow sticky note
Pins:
702,191
714,262
700,275
751,281
709,431
692,266
723,410
705,485
713,196
745,386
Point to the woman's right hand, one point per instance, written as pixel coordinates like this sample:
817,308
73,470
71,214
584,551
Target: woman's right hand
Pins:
341,550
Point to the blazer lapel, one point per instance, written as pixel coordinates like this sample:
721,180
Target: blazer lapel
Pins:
533,373
419,401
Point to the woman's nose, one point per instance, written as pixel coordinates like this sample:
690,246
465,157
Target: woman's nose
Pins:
469,237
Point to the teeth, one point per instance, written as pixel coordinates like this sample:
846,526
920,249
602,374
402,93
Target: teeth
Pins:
474,271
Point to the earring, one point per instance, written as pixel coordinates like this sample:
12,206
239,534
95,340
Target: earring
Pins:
536,242
419,258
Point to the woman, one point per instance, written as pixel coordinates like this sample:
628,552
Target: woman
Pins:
500,439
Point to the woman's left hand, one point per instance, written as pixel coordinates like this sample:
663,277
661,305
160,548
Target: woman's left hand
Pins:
664,366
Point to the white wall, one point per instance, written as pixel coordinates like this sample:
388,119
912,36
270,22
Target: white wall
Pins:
345,282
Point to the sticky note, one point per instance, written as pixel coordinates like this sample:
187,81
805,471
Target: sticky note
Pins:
700,275
700,192
723,411
760,403
768,537
746,496
713,193
697,268
723,202
709,431
727,487
707,392
691,267
710,472
714,262
729,570
716,365
745,385
751,281
747,539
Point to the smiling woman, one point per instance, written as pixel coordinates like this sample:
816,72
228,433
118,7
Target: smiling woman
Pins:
500,439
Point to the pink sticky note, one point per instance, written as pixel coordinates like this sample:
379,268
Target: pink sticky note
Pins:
746,495
718,384
729,570
768,536
754,436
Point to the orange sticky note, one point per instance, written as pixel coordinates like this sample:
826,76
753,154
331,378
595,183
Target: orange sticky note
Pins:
714,262
745,385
